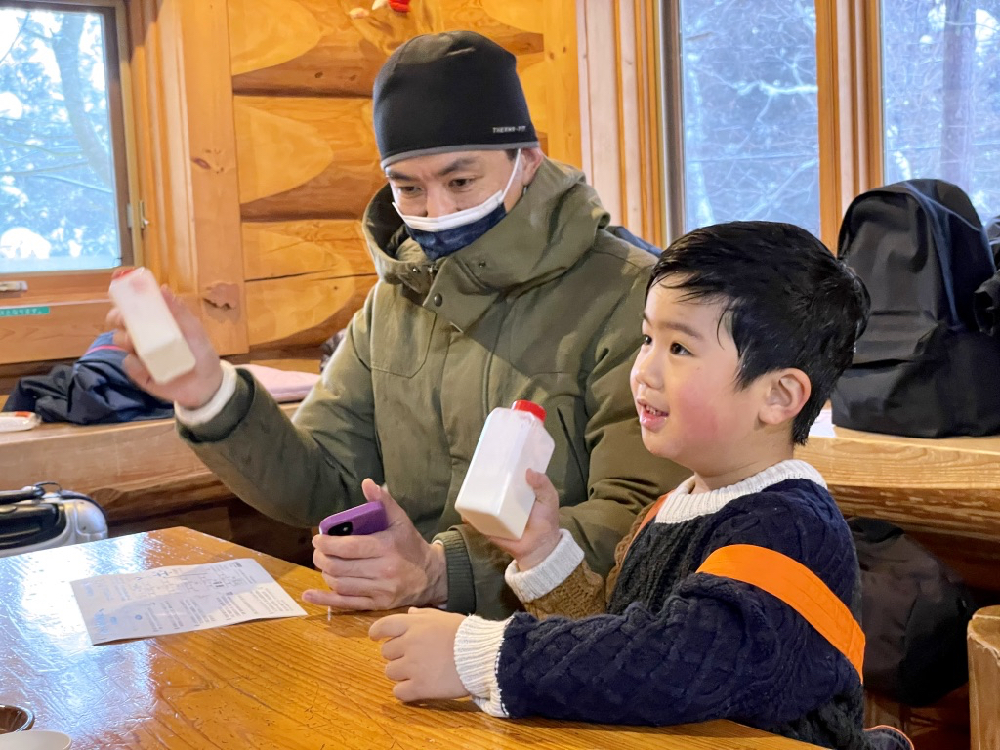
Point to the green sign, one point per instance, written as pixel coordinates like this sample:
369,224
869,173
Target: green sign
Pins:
12,312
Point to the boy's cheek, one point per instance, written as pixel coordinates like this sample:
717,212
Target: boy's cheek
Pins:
696,415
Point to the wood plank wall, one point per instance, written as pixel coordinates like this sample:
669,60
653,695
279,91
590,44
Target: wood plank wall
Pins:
302,74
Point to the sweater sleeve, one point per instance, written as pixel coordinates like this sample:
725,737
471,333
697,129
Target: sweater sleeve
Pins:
716,648
580,593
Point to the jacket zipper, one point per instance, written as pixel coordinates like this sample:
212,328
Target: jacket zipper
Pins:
492,353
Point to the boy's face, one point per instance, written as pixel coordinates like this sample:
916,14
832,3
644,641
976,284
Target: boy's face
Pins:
684,385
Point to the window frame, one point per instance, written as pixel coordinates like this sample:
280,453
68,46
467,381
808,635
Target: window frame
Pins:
179,113
848,77
78,299
620,51
122,134
849,101
846,117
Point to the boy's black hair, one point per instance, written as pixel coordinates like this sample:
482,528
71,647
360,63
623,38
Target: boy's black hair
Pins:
789,302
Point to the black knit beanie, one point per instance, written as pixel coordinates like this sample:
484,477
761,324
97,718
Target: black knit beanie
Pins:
447,92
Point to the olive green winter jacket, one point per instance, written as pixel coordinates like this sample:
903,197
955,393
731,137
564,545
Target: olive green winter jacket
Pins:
546,306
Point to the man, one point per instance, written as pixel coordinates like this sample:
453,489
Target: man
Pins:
497,281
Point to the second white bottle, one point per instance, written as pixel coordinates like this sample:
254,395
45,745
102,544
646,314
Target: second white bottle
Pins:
495,496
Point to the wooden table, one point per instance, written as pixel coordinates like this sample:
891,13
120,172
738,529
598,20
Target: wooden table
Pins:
304,683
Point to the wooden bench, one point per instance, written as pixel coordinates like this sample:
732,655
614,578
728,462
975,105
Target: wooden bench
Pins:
946,494
984,678
145,477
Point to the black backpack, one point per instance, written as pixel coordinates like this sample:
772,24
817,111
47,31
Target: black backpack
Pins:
924,367
914,614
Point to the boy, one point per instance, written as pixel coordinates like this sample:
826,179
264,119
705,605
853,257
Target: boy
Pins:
738,595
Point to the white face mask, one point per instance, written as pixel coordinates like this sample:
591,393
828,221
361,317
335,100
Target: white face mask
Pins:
460,218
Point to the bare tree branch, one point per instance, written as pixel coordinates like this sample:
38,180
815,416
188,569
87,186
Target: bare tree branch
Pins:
13,44
36,147
66,46
43,170
77,183
957,110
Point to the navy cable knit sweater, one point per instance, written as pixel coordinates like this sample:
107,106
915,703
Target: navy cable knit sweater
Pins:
678,646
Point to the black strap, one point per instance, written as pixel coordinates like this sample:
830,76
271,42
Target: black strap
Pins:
40,490
32,492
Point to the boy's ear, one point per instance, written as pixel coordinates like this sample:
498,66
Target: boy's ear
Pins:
788,391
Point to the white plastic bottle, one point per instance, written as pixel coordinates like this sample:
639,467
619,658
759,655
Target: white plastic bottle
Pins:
155,334
495,496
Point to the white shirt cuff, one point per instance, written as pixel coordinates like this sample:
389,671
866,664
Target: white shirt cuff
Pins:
538,581
208,412
477,649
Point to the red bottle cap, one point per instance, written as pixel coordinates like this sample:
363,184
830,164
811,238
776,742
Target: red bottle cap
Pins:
531,407
121,271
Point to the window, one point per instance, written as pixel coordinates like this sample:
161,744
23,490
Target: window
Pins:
184,164
941,95
786,110
63,168
750,144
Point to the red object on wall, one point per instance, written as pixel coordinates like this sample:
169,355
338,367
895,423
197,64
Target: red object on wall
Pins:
400,6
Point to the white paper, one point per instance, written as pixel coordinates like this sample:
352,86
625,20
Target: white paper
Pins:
178,599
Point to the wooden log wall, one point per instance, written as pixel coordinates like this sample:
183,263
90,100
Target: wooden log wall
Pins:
302,75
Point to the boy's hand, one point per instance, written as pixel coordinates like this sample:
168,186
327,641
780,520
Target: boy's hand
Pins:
541,534
421,653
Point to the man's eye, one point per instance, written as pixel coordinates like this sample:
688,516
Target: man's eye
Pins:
407,189
676,348
462,182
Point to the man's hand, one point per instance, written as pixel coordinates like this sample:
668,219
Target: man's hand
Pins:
388,569
191,390
541,534
421,654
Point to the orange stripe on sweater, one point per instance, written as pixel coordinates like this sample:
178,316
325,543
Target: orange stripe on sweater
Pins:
798,587
647,519
651,514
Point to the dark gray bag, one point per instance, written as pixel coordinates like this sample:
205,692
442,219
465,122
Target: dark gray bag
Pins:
914,614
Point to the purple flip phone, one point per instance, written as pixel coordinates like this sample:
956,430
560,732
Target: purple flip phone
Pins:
363,519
